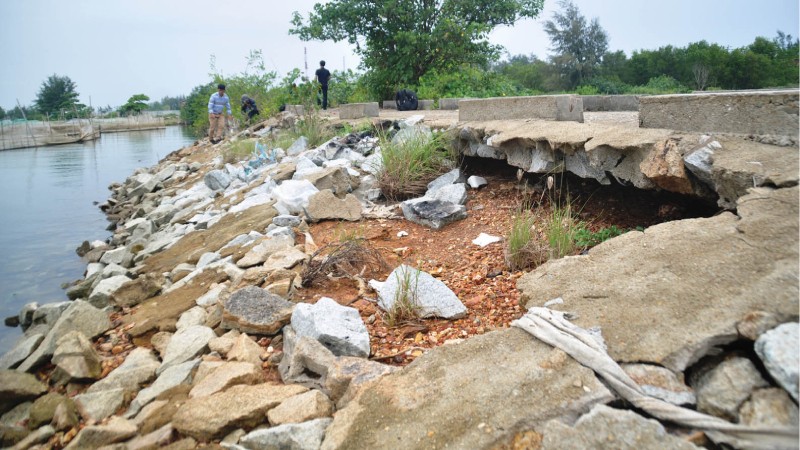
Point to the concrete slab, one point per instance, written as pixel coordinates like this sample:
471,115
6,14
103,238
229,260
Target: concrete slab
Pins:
548,107
751,112
389,104
596,103
424,104
449,103
358,110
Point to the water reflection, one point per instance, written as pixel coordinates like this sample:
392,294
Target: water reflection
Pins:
47,210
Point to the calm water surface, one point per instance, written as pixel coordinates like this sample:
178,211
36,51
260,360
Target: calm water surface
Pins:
48,199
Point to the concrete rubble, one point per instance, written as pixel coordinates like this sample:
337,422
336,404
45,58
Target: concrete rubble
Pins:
204,260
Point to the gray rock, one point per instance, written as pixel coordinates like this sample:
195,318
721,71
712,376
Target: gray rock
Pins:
224,343
373,164
226,375
120,256
273,231
206,418
432,213
163,214
159,438
244,349
660,382
99,405
193,316
65,416
103,294
16,414
95,436
76,357
298,146
284,259
39,436
44,408
26,314
452,177
337,327
138,368
300,436
335,178
778,350
264,249
17,387
723,389
769,408
700,161
49,313
324,205
460,407
169,378
417,132
186,344
293,195
211,297
21,350
80,316
452,193
301,408
287,221
217,180
430,296
112,270
305,360
254,310
605,427
347,376
206,259
475,181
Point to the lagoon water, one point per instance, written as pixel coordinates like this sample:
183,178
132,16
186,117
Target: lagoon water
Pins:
48,206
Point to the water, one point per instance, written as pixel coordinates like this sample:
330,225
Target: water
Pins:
48,199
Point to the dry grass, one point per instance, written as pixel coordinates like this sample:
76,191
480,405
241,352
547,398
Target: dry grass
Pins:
349,258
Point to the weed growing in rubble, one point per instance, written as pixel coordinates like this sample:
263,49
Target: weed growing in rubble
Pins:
239,150
523,250
409,165
586,238
405,306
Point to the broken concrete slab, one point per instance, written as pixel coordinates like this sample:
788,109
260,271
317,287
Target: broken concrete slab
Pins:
547,107
358,110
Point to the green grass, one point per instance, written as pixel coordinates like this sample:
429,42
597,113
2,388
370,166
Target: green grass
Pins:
523,251
409,166
586,238
237,151
405,306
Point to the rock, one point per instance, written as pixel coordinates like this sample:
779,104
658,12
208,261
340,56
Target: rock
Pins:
452,177
284,259
305,360
44,408
133,292
102,295
347,376
17,387
254,310
170,378
432,213
186,344
475,181
65,416
49,313
451,193
22,349
335,179
301,408
724,388
76,357
227,375
339,328
664,166
156,439
324,205
430,296
700,160
13,434
93,436
211,297
287,221
448,409
293,195
300,436
211,417
224,343
769,408
138,368
244,349
194,316
264,249
120,256
273,231
660,382
298,146
17,414
99,405
605,427
778,350
39,436
217,180
163,214
644,318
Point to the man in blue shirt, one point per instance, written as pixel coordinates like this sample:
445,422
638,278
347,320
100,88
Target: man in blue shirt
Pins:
323,75
216,122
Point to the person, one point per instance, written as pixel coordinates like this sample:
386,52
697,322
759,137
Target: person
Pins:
249,107
322,76
216,121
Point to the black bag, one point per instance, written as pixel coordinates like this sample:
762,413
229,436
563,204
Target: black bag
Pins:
406,100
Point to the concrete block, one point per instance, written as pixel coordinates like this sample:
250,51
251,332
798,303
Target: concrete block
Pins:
745,112
358,110
546,107
610,103
449,103
389,104
424,104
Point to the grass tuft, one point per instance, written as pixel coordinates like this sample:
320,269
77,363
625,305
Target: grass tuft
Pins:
406,306
409,166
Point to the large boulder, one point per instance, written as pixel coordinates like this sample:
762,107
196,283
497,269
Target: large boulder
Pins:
185,344
324,205
254,310
432,213
294,436
17,387
337,327
76,358
421,291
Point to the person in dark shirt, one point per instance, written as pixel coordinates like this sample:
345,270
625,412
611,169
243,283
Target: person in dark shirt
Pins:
322,76
249,107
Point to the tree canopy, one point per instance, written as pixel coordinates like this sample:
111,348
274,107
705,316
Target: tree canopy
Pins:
578,46
400,40
135,105
57,94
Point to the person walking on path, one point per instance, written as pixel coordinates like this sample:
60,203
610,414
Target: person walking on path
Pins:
216,121
322,76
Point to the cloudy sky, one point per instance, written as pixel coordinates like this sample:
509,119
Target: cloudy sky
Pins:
113,49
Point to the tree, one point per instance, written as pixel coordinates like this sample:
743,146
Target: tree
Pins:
136,104
2,113
579,46
400,40
526,71
57,94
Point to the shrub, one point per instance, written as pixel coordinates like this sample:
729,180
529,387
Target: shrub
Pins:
347,258
586,238
409,166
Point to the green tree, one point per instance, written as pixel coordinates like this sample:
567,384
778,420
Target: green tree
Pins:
136,104
578,46
2,113
57,94
400,40
194,112
527,72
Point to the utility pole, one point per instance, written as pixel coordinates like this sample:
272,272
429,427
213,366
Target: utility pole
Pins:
305,58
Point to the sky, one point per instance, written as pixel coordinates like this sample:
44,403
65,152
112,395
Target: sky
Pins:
113,49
